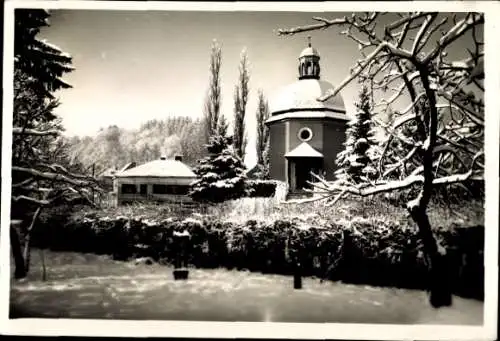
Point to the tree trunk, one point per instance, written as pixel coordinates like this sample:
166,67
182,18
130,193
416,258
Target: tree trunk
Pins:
27,239
439,284
15,243
27,252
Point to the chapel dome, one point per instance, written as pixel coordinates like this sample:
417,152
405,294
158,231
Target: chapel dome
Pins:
303,95
309,51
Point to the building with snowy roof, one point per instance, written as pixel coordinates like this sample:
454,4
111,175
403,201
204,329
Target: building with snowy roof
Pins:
163,180
305,134
108,175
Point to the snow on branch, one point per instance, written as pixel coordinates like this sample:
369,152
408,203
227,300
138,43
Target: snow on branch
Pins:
470,21
409,181
324,23
39,202
423,29
429,34
34,132
60,169
52,176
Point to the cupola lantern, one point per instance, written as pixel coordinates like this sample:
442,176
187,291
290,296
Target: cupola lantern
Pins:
309,62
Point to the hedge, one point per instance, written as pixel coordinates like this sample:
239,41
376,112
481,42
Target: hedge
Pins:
380,253
260,188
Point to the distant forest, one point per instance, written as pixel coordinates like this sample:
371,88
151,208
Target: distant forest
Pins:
114,146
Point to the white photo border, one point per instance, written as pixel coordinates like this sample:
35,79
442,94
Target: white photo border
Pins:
80,327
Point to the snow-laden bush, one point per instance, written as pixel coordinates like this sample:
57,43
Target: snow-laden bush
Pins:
260,188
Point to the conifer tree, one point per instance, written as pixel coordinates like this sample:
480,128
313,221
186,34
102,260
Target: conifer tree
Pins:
355,161
43,63
262,143
214,97
221,175
222,126
240,102
42,173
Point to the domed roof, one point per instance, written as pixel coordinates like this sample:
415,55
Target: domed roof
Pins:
303,95
309,51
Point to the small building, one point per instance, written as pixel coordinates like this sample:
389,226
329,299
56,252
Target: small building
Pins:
163,180
109,174
305,134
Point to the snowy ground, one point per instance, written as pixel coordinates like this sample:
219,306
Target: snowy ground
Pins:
89,286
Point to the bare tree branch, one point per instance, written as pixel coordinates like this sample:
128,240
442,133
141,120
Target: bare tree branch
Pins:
34,132
423,28
324,23
52,176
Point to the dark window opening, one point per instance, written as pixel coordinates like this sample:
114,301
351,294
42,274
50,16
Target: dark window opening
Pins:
309,68
160,189
144,189
129,189
171,189
180,190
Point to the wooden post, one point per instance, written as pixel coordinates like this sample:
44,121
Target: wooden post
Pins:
297,276
181,258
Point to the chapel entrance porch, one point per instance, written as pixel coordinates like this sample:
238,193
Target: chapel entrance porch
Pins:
299,174
301,161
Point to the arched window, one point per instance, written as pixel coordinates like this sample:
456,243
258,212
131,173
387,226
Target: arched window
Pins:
309,68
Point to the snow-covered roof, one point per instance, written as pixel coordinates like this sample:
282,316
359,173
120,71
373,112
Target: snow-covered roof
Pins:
304,150
110,172
307,115
309,51
159,168
303,95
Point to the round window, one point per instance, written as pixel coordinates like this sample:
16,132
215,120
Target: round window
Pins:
305,134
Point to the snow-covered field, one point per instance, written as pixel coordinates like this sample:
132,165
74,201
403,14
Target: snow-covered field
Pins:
90,286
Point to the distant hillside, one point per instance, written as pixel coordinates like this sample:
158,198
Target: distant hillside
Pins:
114,146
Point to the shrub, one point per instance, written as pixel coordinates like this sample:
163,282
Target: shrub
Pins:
260,188
359,251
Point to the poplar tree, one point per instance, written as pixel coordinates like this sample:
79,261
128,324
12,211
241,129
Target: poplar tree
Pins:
262,142
213,98
241,91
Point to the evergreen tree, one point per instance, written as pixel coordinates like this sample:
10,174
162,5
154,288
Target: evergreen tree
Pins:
42,172
213,98
240,102
222,126
354,161
262,142
43,62
221,175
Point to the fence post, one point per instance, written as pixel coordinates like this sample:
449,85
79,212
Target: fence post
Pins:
297,274
181,258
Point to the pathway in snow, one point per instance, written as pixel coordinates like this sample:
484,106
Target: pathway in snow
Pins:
95,287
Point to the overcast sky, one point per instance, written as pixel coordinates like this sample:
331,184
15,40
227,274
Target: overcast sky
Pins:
132,66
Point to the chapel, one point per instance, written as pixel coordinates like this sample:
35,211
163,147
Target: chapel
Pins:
305,134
